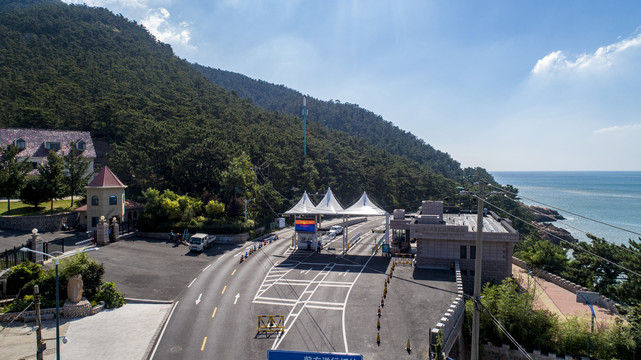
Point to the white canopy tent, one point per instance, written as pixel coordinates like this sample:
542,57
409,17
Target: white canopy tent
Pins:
303,207
329,205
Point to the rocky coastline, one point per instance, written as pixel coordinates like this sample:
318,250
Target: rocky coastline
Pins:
543,217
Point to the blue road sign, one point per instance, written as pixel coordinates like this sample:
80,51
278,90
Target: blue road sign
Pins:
385,248
306,355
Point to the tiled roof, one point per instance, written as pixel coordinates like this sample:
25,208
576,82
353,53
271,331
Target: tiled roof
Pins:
106,178
35,141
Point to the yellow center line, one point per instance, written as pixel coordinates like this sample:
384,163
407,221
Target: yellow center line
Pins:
225,288
233,272
214,314
204,341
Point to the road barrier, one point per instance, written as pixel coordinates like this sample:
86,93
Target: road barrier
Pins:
403,259
267,323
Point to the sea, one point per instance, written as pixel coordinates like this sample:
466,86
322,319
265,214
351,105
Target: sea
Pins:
609,197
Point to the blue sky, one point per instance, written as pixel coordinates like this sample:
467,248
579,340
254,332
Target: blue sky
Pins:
506,85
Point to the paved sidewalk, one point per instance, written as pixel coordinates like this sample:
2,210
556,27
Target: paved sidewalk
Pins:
558,300
123,333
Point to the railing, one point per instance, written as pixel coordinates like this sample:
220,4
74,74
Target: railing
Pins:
13,257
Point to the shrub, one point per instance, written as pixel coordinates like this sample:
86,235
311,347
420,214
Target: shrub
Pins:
22,274
111,297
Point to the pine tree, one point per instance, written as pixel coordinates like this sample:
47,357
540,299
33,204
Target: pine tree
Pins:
53,177
12,173
77,166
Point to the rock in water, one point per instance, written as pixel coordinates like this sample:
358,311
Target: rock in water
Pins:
74,288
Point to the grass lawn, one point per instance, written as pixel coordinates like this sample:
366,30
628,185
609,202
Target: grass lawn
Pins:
20,209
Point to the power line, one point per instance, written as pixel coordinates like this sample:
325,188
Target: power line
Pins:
560,239
569,212
575,228
509,336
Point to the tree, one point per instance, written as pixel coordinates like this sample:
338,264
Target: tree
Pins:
53,177
77,166
541,253
12,173
239,179
33,193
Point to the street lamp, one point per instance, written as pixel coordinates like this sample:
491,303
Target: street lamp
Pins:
57,259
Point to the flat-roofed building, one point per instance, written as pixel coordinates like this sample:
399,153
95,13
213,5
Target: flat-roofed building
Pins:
442,238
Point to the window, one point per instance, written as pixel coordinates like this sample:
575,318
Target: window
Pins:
471,272
113,200
94,221
20,144
463,252
95,201
55,146
472,252
464,272
81,145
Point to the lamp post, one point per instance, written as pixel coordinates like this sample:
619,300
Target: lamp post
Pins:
57,259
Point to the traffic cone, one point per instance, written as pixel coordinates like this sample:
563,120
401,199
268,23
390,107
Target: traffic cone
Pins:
379,311
241,259
378,324
382,302
408,347
378,338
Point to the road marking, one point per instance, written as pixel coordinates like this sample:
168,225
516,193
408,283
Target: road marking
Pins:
225,288
204,342
236,298
214,313
306,271
191,283
163,329
206,268
233,272
346,271
198,300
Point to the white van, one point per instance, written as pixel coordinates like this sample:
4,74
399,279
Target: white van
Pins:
200,241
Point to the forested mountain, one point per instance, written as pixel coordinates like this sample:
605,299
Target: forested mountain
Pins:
82,68
346,117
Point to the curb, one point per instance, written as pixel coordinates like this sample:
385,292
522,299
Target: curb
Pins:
153,344
147,301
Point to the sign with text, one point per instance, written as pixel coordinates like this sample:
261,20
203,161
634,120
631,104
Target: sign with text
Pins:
306,355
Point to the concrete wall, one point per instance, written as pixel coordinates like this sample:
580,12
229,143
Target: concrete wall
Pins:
504,352
44,223
451,323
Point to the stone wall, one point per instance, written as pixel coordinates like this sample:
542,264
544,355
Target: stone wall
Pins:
504,352
44,223
451,324
604,302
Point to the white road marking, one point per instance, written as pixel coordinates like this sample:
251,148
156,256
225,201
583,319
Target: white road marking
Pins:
192,282
199,297
163,329
236,298
206,268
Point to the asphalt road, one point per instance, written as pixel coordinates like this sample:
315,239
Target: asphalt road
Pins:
328,302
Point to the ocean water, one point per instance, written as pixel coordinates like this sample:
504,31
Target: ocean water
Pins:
610,197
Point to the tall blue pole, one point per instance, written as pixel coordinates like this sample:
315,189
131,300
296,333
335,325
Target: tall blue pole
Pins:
304,128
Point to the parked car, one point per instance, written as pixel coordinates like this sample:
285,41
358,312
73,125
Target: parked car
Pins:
200,241
335,230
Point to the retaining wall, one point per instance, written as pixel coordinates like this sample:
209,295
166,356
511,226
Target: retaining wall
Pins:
451,324
504,352
44,223
604,301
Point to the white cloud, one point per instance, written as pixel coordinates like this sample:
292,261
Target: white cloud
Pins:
618,128
157,22
604,56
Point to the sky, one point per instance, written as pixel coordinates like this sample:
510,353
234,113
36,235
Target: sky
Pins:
505,85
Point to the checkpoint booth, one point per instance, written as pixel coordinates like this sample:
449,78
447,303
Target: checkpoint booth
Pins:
308,216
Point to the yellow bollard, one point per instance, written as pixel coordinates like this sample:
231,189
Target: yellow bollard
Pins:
378,324
378,338
408,347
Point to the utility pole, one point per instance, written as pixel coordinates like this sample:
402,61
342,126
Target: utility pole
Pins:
304,128
477,271
40,344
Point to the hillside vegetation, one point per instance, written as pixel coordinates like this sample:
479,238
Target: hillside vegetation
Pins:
346,117
81,68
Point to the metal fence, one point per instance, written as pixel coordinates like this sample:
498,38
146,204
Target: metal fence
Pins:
126,227
13,257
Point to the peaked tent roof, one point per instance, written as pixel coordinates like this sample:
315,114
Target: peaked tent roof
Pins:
329,205
365,207
106,178
304,206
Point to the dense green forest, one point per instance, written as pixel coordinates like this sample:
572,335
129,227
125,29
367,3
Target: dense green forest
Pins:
346,117
82,68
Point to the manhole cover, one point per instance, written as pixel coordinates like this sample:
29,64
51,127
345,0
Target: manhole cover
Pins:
176,349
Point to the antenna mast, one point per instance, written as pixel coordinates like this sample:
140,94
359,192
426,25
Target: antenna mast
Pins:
304,128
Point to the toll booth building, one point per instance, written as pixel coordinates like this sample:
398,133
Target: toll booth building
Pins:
443,238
